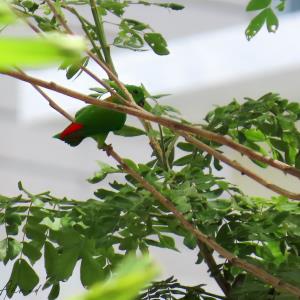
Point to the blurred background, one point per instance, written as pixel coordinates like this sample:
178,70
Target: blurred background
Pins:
211,62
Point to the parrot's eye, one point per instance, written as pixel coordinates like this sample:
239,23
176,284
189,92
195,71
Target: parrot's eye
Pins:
135,92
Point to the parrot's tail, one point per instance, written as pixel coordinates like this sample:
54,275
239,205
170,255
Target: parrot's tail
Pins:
72,135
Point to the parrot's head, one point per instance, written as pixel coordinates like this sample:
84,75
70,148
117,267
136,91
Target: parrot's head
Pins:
137,94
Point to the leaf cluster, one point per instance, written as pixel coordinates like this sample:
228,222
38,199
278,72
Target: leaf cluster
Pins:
266,16
267,125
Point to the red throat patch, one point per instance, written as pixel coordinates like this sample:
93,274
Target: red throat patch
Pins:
71,129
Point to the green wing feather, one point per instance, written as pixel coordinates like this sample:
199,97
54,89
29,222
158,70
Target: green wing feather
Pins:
96,122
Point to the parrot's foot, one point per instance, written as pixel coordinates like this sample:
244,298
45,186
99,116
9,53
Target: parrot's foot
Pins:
107,148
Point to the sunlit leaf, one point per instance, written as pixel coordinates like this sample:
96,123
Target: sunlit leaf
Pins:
36,52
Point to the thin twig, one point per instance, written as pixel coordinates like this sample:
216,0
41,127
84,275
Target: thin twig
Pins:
174,125
50,101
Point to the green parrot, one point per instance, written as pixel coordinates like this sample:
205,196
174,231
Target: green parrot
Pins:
97,122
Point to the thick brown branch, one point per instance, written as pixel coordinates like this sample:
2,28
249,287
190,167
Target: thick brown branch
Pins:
203,238
170,124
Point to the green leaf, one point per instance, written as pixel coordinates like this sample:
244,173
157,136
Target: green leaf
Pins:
14,249
75,68
183,160
117,8
254,135
3,249
174,6
12,283
131,164
22,276
157,43
27,278
105,169
50,258
129,131
190,241
297,160
134,24
281,5
166,242
35,52
256,24
54,292
186,147
131,276
258,4
65,263
272,21
91,271
31,251
52,224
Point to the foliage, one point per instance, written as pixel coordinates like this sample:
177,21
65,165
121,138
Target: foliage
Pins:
266,125
265,16
125,218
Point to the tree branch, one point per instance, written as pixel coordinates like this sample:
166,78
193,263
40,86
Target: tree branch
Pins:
50,101
174,125
213,268
203,238
234,164
110,71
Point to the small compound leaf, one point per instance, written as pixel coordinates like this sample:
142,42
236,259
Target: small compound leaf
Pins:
157,43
